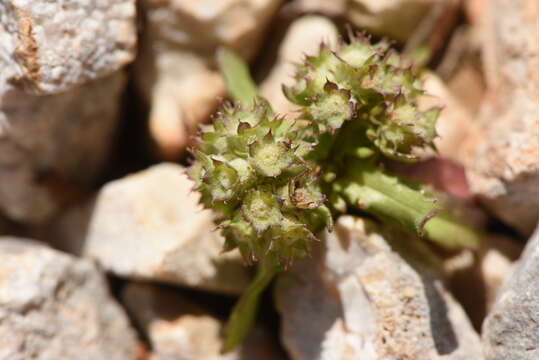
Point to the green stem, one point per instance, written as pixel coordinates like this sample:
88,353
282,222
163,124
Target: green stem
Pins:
368,187
243,315
238,80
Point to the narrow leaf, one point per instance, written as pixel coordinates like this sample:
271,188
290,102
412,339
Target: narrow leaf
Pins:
238,80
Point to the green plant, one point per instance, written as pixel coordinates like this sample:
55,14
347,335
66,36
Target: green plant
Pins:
277,182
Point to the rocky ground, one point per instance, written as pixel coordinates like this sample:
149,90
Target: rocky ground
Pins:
106,254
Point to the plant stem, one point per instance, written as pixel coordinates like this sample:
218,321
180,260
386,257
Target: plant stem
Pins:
368,187
244,313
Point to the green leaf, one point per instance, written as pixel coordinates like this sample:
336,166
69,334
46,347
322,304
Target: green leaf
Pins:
369,188
450,232
243,315
238,80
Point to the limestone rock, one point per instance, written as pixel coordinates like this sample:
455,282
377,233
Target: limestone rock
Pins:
496,262
504,167
180,330
150,226
483,271
52,46
468,85
455,122
52,143
329,8
302,38
176,72
203,25
510,330
59,97
53,306
67,232
476,11
358,299
395,18
183,89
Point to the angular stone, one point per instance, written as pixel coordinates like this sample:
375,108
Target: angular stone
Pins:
358,299
52,144
496,262
484,271
53,306
468,85
201,26
503,168
395,18
68,230
183,89
455,122
303,37
329,8
51,46
176,72
150,226
180,330
510,331
476,11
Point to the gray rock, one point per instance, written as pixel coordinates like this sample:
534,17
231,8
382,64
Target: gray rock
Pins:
180,330
511,329
358,299
54,114
50,46
176,72
53,306
52,144
504,164
150,226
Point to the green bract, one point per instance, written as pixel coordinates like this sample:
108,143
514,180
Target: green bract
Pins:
250,166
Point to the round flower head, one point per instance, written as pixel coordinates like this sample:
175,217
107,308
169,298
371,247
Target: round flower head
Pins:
250,166
370,86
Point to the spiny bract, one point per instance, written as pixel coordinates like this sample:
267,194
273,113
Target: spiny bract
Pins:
370,85
250,167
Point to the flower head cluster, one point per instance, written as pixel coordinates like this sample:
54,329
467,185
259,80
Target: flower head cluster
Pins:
370,85
250,167
262,172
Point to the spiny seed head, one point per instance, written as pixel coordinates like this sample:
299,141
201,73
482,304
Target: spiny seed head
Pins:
261,172
249,166
365,83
